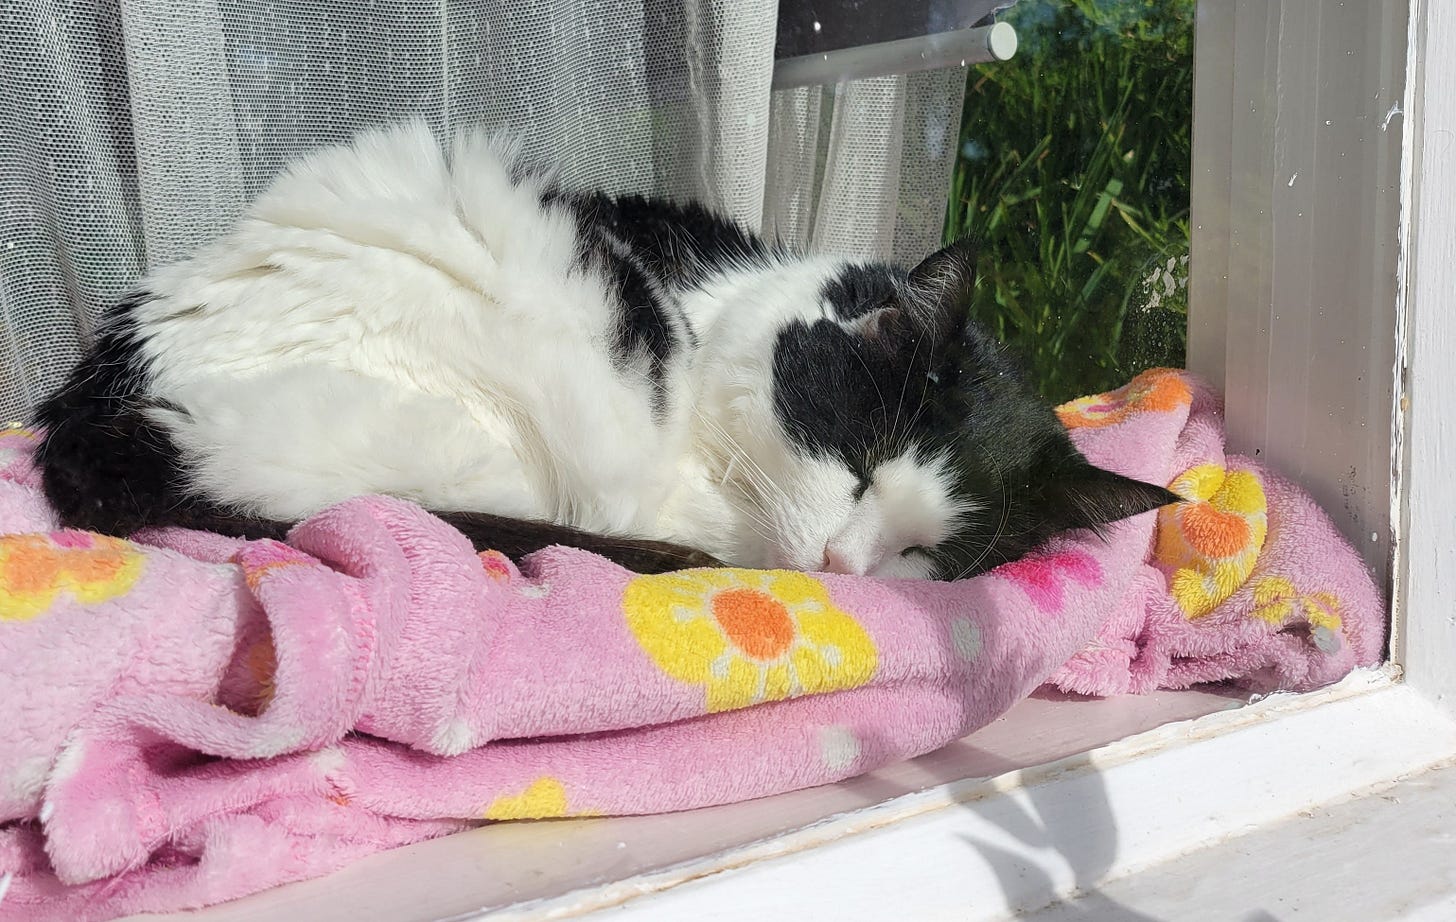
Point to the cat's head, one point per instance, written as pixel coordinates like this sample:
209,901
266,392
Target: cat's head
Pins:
898,439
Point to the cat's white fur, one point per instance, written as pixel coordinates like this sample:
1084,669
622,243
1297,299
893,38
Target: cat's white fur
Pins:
389,320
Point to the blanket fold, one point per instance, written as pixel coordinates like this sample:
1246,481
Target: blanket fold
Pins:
196,718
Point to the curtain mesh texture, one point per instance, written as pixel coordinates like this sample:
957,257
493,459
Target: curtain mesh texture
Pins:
132,133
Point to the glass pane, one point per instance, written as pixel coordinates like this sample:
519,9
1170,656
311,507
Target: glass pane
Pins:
1074,175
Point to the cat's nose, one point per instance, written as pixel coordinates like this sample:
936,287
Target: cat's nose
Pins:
847,559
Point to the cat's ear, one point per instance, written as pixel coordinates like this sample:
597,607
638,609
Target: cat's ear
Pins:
886,325
941,288
1086,496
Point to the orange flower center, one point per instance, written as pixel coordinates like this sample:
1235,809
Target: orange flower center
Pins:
32,564
1214,532
756,623
1164,392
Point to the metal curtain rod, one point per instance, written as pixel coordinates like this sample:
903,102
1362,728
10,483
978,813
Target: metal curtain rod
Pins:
996,42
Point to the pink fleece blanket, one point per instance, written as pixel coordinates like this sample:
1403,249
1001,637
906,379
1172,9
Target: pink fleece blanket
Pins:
191,718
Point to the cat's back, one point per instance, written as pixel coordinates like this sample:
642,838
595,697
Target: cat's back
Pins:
391,317
386,256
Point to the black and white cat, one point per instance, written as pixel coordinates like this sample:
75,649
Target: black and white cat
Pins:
542,366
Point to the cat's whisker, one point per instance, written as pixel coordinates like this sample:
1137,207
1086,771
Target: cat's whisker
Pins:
753,515
871,376
1001,527
760,526
752,469
904,387
764,488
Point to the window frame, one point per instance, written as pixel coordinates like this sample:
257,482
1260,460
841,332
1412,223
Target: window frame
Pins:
1424,623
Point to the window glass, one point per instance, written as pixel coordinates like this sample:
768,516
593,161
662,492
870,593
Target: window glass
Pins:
1074,176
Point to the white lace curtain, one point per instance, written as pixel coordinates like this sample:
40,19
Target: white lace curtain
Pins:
131,133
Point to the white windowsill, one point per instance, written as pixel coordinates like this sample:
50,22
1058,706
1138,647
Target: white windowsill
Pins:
1384,854
986,849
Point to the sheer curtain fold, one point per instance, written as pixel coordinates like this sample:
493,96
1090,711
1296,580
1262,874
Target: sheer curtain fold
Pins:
188,165
130,134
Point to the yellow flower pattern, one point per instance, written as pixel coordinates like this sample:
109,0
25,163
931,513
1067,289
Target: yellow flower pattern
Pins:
544,799
748,636
1211,543
1276,599
36,569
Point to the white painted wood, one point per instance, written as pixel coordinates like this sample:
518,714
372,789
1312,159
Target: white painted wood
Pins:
1295,212
1387,855
983,849
1426,647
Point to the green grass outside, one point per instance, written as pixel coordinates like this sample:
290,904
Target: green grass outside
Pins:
1073,175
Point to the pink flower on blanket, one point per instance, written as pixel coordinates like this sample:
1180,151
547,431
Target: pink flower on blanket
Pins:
496,565
1043,577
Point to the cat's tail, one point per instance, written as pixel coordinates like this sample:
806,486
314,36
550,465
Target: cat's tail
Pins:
517,537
